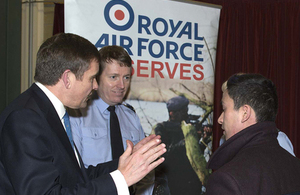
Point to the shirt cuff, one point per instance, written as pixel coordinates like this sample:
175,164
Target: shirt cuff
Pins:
120,182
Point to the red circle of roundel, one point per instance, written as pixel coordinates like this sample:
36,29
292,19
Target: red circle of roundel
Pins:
119,14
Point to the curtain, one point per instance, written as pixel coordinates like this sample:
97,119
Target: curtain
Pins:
59,22
261,36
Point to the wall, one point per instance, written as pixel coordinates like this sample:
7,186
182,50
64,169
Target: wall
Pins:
10,53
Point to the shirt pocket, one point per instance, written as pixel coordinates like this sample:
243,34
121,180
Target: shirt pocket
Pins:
95,146
94,133
133,136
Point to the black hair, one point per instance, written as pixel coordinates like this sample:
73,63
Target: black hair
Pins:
256,91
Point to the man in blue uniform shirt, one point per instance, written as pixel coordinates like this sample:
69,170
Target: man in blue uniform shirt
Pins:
91,131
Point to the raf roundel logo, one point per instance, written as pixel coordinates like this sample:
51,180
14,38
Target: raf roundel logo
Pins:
119,15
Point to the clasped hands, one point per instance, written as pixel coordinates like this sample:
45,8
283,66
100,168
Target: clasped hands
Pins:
137,161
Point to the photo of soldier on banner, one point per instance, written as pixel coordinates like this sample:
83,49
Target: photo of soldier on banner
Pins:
172,45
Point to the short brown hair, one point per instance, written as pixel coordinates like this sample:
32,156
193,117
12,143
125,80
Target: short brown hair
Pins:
61,52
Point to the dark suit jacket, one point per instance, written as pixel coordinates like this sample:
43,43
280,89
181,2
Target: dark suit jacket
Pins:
252,162
36,155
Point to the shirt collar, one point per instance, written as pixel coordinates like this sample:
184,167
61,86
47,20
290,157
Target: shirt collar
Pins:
102,106
58,105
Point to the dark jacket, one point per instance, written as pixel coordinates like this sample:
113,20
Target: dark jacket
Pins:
252,162
36,156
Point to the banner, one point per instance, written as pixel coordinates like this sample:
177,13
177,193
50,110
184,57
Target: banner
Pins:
173,48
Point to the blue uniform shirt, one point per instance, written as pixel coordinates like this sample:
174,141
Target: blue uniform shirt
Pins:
91,131
91,134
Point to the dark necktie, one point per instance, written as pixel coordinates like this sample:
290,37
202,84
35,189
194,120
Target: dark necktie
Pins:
68,128
116,142
115,134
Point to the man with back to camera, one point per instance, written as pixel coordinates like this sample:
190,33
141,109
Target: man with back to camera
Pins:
251,161
91,130
36,155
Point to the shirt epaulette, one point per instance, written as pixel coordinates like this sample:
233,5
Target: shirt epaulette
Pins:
129,106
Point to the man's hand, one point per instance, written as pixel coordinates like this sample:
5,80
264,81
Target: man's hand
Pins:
136,165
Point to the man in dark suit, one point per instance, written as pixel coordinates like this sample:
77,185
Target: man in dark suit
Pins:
36,156
251,161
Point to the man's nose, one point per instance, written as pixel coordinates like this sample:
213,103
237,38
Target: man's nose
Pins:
220,119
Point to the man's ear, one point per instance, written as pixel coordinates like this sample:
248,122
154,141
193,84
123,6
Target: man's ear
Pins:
246,112
66,79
